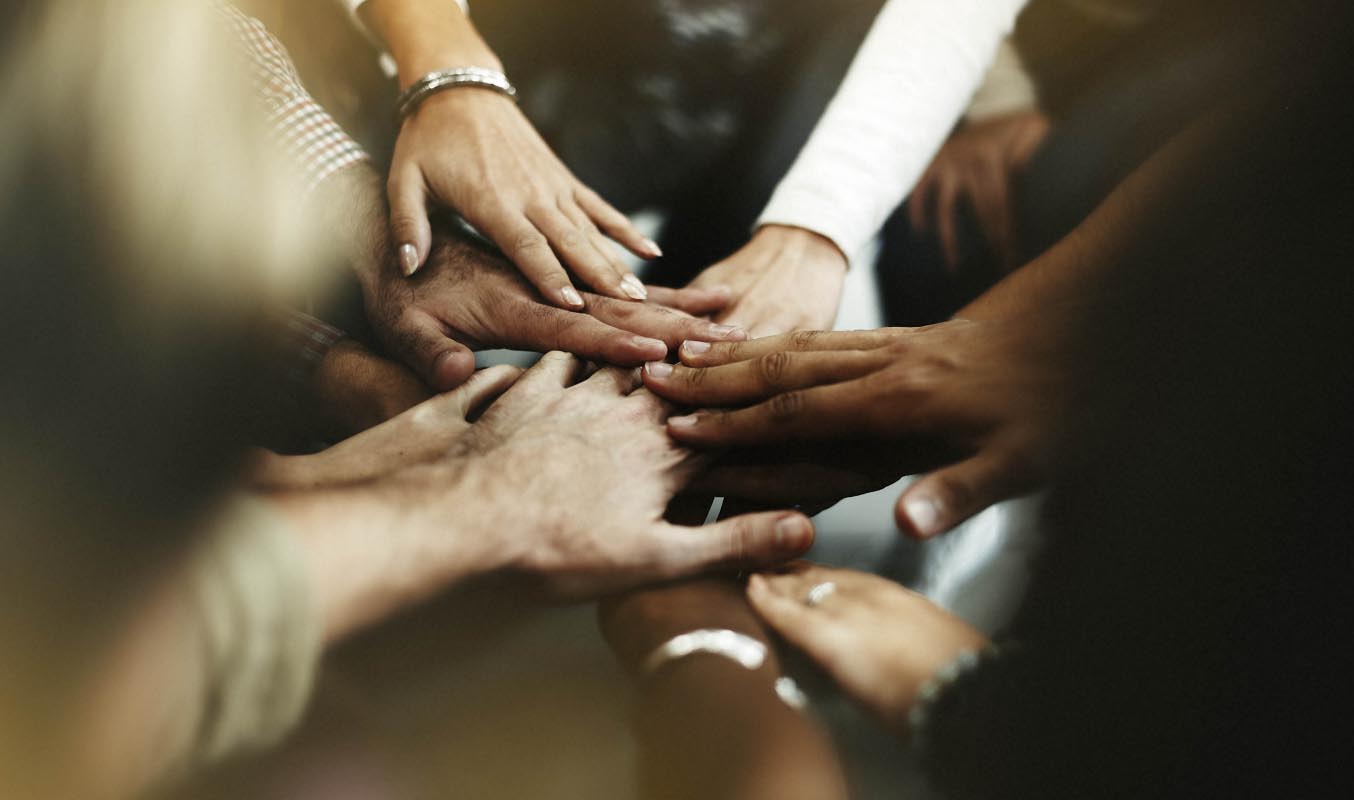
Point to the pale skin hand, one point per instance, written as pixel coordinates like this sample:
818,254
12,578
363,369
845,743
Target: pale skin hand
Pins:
560,483
784,279
879,641
978,165
995,394
473,150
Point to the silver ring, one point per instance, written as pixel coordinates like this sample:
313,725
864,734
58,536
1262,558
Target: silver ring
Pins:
819,593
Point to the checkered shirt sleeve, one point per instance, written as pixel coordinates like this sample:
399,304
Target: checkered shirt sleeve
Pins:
303,129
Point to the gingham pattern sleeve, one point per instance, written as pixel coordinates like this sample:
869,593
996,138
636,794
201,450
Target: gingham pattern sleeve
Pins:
307,133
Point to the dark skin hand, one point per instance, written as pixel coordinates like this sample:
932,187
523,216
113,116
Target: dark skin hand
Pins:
987,403
466,298
978,166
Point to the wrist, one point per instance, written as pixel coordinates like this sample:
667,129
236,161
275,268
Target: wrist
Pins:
802,244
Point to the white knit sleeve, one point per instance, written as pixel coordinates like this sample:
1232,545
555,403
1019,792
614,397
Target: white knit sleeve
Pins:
908,85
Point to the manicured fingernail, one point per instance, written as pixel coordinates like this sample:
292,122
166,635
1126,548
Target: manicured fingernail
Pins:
727,332
695,348
408,259
651,248
633,288
571,296
689,421
923,513
792,533
655,348
658,369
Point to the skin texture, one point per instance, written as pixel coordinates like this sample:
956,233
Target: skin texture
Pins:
986,403
708,727
466,298
474,151
354,389
784,279
879,641
978,166
561,483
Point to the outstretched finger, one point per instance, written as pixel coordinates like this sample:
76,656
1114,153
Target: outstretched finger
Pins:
483,388
693,300
706,354
409,227
545,328
668,325
759,378
554,370
577,250
839,410
615,224
938,502
527,247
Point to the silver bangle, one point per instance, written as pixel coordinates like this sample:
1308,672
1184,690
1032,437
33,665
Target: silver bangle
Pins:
434,82
735,646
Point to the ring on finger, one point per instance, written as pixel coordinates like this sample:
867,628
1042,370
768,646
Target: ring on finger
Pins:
818,593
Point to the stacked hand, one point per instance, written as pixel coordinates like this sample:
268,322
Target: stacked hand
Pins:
467,298
987,403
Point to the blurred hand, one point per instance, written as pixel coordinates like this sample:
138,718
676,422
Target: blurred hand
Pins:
879,641
467,298
978,166
354,389
987,402
422,433
475,151
784,279
574,481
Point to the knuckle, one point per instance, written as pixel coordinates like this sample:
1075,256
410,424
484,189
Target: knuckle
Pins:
785,407
772,368
802,340
528,242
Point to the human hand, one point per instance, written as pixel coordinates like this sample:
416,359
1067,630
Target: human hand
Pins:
467,298
879,641
575,481
420,434
784,279
475,151
354,389
989,403
978,165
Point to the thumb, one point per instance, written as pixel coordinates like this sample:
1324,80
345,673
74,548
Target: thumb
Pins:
442,362
483,388
939,501
409,228
750,541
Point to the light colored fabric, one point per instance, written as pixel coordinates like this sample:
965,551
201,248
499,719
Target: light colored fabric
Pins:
353,5
251,644
1008,88
910,82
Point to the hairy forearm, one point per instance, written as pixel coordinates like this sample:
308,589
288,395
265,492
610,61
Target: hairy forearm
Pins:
427,35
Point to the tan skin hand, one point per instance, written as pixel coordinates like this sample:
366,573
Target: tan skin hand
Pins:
978,166
784,279
475,151
467,298
990,400
879,641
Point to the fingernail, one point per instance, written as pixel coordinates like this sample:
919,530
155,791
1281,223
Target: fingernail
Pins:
727,332
408,259
689,421
571,296
651,248
658,369
654,347
633,288
923,513
792,533
695,348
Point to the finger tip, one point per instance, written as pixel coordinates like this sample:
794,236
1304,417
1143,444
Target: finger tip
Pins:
692,352
794,534
918,516
451,369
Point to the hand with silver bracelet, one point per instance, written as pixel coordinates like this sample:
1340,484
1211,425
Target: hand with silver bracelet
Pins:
467,145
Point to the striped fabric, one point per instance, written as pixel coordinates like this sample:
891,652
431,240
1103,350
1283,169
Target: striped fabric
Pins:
310,137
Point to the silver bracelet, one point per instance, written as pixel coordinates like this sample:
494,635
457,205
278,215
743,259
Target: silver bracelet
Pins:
434,82
735,646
